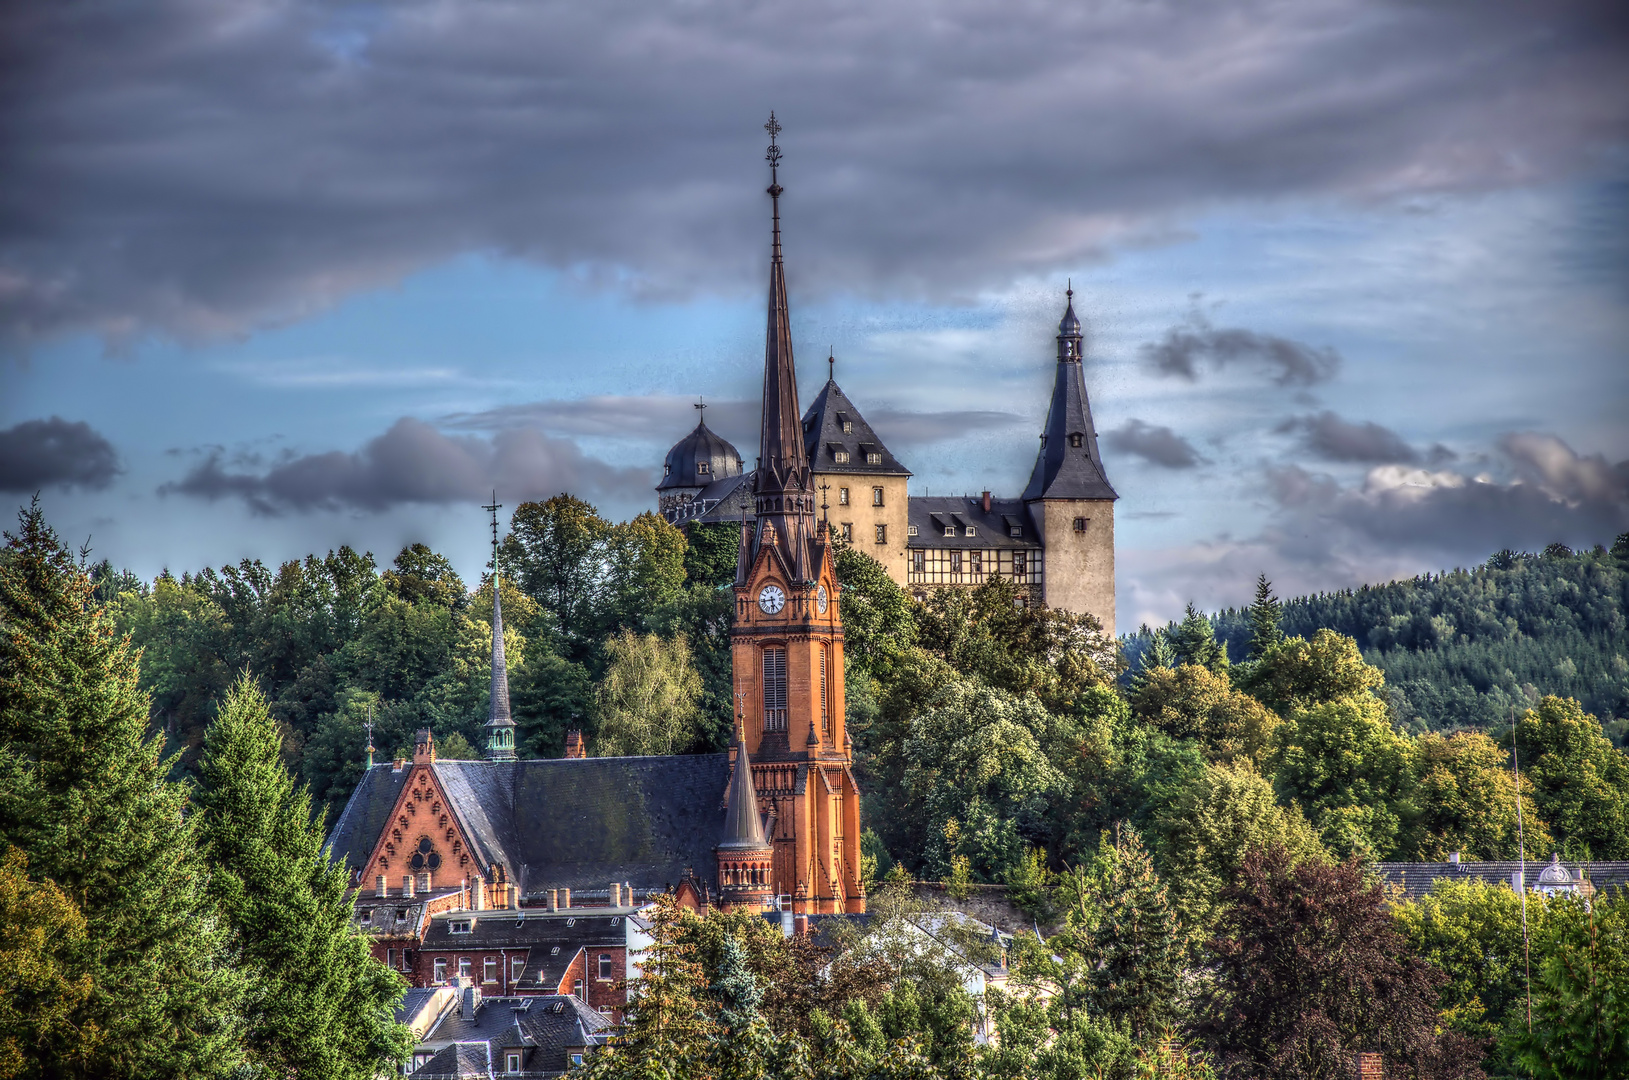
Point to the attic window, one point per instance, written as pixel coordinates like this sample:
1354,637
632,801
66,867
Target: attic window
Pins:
1016,530
571,922
555,951
1076,438
873,458
667,470
841,457
910,530
366,914
848,425
458,926
617,919
511,1062
972,530
701,466
950,530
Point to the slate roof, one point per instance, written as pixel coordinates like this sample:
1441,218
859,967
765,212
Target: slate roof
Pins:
551,939
823,436
729,499
701,445
992,530
1416,878
1064,471
565,822
478,1044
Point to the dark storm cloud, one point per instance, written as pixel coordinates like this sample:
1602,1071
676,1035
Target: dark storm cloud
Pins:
412,462
1154,444
196,168
1335,439
39,454
1196,343
1545,491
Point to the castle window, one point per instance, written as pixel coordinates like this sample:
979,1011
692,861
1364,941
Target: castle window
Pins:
873,458
441,971
667,470
876,496
605,965
1080,524
425,856
848,532
1076,438
955,562
774,689
976,561
882,534
841,457
919,561
842,496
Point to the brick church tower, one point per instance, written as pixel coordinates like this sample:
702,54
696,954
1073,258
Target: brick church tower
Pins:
787,646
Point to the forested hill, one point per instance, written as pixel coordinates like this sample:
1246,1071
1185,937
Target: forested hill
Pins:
1465,647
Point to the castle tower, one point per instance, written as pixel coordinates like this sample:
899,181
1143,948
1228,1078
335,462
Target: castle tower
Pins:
787,642
1069,496
745,855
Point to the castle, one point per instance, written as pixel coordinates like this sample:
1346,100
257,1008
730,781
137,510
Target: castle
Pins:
1055,540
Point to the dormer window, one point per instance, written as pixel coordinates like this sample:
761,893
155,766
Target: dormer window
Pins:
910,530
841,457
1076,438
667,470
848,427
873,459
458,926
1015,531
701,466
972,530
950,530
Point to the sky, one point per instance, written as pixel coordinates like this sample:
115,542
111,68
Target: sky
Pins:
282,275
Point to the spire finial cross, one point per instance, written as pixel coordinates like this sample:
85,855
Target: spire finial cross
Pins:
492,508
701,407
1069,288
831,365
773,156
368,726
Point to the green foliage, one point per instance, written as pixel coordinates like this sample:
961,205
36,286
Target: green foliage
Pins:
1466,797
41,933
1297,673
710,552
84,795
1192,702
1263,615
1134,940
1193,641
1580,995
318,1003
1472,931
555,550
647,700
1580,781
1351,771
879,617
645,569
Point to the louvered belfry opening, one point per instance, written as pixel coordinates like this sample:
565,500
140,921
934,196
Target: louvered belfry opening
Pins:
774,689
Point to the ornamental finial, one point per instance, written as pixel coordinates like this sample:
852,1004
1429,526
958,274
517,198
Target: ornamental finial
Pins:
773,156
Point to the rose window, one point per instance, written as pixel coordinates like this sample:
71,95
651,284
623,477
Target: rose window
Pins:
425,857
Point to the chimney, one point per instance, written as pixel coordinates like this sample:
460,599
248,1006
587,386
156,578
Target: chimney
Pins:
463,893
1453,859
616,894
407,886
424,747
986,502
384,890
1368,1066
514,897
424,882
784,902
576,747
554,899
478,894
801,925
565,898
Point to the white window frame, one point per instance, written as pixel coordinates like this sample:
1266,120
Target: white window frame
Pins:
842,496
489,969
440,971
511,1061
465,966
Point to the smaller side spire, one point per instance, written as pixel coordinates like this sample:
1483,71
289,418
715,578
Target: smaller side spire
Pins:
500,725
746,857
743,827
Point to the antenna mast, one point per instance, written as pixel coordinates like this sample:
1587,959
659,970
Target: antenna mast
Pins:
1521,854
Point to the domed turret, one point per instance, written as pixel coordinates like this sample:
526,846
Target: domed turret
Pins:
696,461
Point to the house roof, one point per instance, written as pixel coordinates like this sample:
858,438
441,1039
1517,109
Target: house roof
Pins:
549,1026
729,499
564,822
702,445
933,514
823,436
1417,878
551,940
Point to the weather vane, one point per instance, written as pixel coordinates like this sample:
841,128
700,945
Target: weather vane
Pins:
831,364
773,156
368,726
701,406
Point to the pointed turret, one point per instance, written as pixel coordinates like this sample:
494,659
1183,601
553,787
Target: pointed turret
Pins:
782,490
743,827
500,725
1068,465
745,854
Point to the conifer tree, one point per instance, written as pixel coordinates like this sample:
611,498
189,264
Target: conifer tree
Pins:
1136,942
86,796
1194,641
1159,654
320,1005
1265,611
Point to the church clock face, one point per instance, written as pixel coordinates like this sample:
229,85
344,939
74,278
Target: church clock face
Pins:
771,599
821,599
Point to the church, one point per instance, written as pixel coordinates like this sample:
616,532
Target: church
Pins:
524,877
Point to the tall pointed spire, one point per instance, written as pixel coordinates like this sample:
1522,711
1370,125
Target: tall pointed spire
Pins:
500,725
743,827
1068,465
782,488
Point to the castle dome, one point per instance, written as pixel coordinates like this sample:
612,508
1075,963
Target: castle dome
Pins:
698,459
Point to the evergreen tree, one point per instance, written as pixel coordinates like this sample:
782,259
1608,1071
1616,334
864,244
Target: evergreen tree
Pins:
1136,943
1580,995
320,1005
1194,641
1264,613
1158,656
85,795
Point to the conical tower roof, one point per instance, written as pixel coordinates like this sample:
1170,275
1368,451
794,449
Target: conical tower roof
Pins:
498,715
743,828
1068,465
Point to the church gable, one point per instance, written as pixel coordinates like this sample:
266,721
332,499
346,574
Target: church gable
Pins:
422,837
